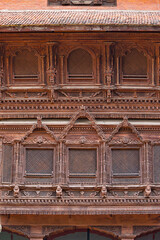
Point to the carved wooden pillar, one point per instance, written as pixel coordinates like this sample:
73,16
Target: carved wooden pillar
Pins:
36,233
117,61
108,68
157,71
1,69
147,163
7,70
16,161
60,167
98,77
127,233
1,146
104,162
62,69
153,74
52,63
42,69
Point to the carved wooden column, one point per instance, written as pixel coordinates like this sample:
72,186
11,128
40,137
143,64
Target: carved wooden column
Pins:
1,69
16,161
1,146
62,69
98,65
52,62
104,162
7,62
107,64
127,233
157,62
36,233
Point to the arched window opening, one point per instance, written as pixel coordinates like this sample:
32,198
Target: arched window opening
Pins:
134,65
25,65
79,65
80,234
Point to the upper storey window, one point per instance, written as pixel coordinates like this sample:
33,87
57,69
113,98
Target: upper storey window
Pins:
79,65
25,65
134,65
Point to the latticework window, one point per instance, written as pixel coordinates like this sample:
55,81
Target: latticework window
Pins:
39,161
25,65
82,164
125,164
134,64
80,64
7,163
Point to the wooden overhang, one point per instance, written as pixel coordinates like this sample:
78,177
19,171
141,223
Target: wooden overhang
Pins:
78,20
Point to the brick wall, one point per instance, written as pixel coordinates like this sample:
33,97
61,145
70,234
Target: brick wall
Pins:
42,4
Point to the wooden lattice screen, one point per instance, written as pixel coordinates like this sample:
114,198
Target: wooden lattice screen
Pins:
39,161
125,163
80,63
25,64
82,161
134,64
7,163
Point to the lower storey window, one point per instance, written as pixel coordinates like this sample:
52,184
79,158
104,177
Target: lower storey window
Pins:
125,165
39,162
82,165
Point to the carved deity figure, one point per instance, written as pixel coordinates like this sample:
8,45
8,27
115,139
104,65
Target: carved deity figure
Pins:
58,191
147,191
16,191
103,192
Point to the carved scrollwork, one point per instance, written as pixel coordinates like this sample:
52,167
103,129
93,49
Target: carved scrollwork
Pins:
123,48
125,140
39,139
83,113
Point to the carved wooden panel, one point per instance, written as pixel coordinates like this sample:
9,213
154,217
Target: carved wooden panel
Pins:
80,64
7,163
125,164
134,64
39,161
82,165
82,161
25,65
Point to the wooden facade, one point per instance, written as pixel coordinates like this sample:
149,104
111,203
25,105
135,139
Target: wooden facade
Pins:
79,133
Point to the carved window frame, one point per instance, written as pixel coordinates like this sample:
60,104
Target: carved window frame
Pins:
95,55
139,176
78,147
11,53
121,51
24,148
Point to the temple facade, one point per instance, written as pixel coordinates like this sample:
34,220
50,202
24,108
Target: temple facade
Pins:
79,120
